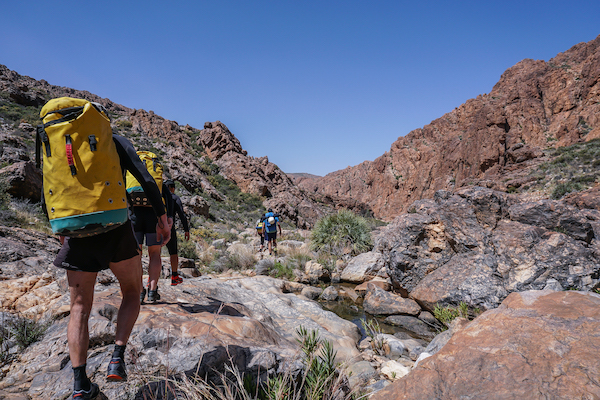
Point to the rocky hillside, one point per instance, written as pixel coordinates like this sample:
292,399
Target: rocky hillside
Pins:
497,140
523,267
204,161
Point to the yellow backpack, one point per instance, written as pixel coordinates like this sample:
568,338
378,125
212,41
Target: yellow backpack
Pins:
83,181
260,227
137,197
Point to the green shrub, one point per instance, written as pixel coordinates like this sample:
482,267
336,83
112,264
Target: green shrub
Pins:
208,167
563,188
282,271
373,330
20,331
16,113
124,124
27,331
4,196
341,233
187,249
447,314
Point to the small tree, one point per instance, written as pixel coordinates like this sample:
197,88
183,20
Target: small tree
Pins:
335,234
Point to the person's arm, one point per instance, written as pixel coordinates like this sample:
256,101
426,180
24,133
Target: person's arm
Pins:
182,216
170,204
132,163
279,225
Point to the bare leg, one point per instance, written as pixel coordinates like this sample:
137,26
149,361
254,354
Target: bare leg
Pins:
81,288
154,266
129,274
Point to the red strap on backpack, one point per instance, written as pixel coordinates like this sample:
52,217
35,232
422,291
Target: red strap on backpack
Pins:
69,150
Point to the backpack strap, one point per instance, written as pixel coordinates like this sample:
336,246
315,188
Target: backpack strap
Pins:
69,113
93,142
41,137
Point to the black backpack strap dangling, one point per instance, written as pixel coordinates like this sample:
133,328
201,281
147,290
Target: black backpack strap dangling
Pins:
41,138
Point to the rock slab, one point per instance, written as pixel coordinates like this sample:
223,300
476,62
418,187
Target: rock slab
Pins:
537,344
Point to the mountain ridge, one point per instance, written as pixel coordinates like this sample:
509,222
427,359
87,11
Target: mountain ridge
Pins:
494,140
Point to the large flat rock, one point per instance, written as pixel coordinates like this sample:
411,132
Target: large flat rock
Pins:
536,345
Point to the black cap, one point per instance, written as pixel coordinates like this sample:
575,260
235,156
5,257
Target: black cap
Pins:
169,182
270,210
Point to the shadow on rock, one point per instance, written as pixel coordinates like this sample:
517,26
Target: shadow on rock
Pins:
256,366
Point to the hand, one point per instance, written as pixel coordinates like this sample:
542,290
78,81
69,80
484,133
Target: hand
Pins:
187,235
163,229
61,239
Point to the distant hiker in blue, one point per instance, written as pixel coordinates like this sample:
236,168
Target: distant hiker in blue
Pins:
271,223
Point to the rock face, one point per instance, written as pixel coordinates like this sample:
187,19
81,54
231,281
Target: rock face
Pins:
24,180
479,245
258,176
492,140
537,344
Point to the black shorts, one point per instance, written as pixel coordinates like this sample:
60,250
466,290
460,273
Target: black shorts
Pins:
144,225
172,244
271,235
95,253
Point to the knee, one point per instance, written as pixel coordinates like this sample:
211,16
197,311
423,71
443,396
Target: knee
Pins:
80,312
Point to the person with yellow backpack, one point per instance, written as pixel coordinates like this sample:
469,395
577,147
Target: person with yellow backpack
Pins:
260,231
85,200
144,219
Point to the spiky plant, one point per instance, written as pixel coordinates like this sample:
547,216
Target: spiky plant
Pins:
341,233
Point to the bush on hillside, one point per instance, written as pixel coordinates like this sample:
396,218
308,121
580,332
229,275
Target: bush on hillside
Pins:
341,233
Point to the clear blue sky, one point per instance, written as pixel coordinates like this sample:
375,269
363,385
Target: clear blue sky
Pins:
316,85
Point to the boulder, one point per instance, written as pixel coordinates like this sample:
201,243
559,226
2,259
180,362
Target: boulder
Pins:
535,345
412,324
311,292
329,294
360,373
394,370
363,267
478,245
553,215
315,272
24,180
381,283
380,302
199,206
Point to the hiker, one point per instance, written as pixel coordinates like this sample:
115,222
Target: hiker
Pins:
271,221
98,245
172,245
143,219
260,231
